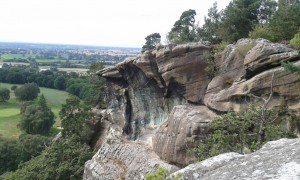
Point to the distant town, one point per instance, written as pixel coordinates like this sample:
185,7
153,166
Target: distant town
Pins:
75,58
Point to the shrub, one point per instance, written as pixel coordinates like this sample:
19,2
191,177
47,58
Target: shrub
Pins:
239,132
295,42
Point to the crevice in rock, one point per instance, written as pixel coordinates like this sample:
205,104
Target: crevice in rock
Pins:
249,74
127,129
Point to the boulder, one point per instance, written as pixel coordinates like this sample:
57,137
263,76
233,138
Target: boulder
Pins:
123,161
186,125
245,69
275,160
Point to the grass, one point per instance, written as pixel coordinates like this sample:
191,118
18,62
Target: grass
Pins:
10,111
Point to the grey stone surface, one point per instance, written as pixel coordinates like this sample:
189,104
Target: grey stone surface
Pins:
278,160
185,126
123,161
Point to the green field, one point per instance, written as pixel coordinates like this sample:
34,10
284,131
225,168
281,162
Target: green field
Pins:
10,111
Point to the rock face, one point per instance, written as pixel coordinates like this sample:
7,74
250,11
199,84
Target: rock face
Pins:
146,88
246,68
164,100
275,160
123,160
185,125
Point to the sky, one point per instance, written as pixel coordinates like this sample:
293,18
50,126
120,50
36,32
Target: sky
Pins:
123,23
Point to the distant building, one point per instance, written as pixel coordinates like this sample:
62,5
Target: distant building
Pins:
41,70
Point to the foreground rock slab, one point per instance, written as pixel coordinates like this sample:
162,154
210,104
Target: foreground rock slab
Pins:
123,161
277,160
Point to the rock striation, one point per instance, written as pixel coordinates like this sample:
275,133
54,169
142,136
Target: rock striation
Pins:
278,160
158,104
185,125
123,160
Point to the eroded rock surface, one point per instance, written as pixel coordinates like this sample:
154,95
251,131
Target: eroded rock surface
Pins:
246,68
146,88
162,101
123,161
186,125
278,160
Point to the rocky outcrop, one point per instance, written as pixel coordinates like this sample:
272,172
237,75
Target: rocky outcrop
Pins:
123,161
275,160
146,88
246,68
158,104
186,125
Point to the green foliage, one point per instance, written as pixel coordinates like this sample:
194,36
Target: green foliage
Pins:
37,119
4,94
261,31
244,49
14,87
239,132
27,92
183,30
9,155
74,120
162,174
239,18
152,41
286,22
13,152
295,42
208,32
291,67
60,83
32,145
62,160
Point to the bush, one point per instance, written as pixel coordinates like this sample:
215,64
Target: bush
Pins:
295,42
239,132
27,92
4,94
261,31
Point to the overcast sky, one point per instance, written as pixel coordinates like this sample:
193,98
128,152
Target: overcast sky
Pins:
93,22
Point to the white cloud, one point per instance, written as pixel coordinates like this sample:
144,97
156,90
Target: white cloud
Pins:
96,22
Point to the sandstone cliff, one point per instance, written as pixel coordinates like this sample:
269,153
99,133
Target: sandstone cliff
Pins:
161,102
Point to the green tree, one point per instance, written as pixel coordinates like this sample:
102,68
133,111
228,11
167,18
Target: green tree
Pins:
14,87
75,118
10,151
27,92
37,119
61,161
4,94
152,41
32,145
60,83
266,11
208,32
286,22
183,29
239,18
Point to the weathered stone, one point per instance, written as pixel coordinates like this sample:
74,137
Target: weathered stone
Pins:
275,160
185,126
123,161
231,88
146,88
183,69
266,54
